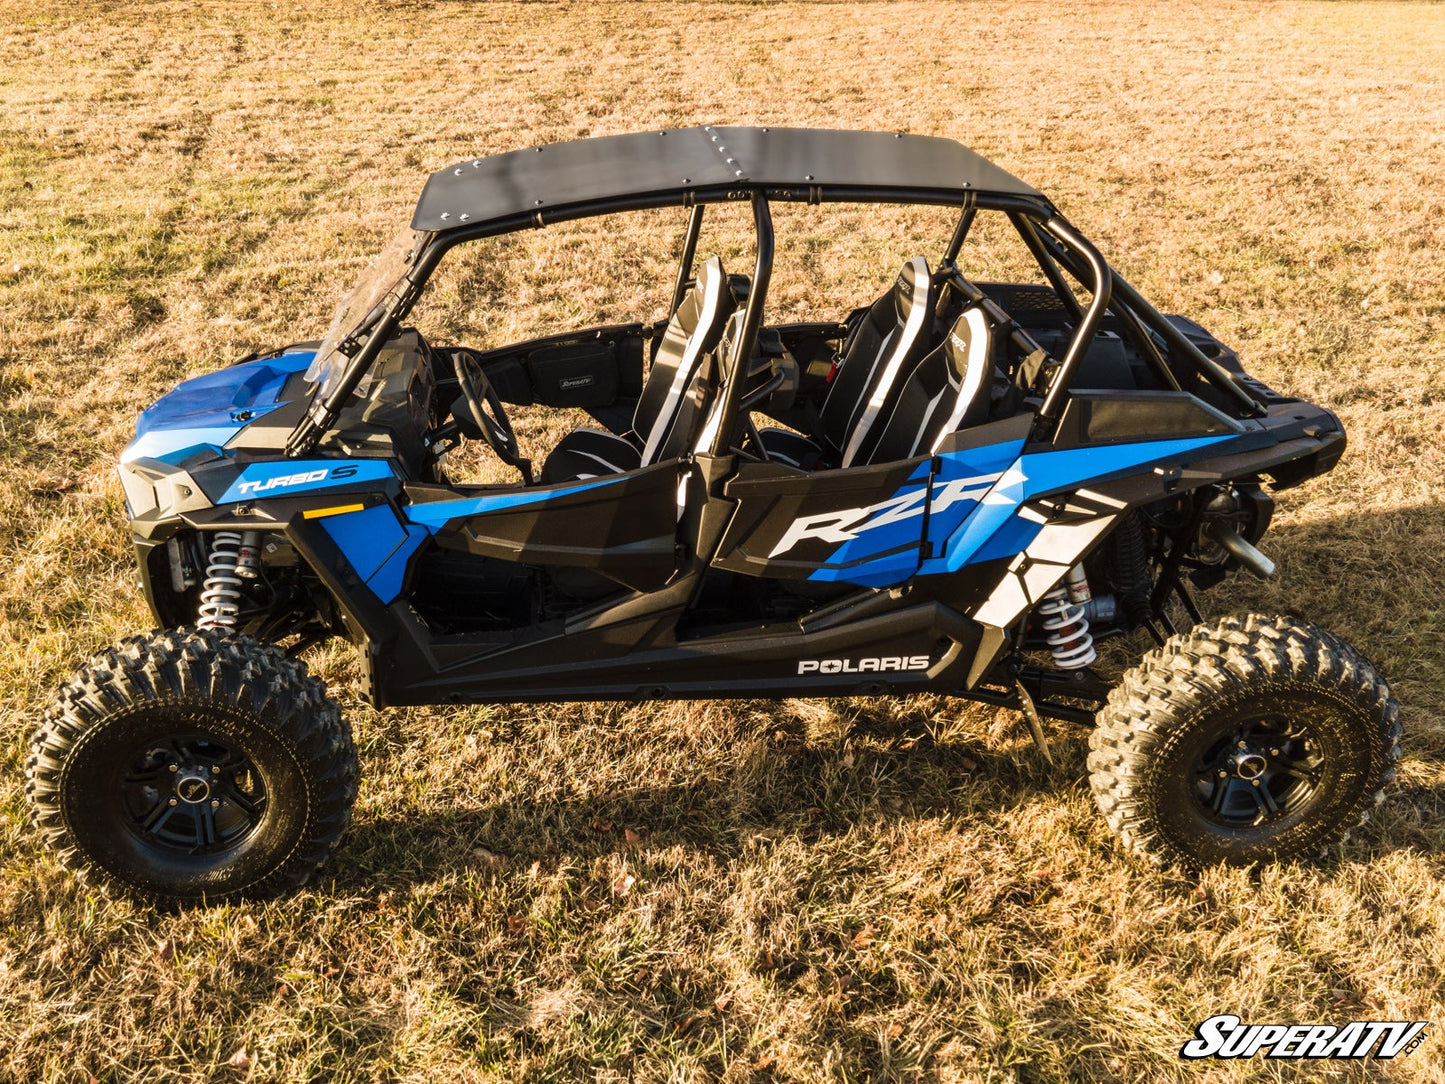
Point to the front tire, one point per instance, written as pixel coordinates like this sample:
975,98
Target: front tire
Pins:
1246,740
193,764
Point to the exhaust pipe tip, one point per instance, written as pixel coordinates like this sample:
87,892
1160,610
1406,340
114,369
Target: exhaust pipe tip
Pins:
1242,550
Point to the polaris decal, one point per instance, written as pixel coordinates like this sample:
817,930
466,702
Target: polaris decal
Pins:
283,476
845,525
872,665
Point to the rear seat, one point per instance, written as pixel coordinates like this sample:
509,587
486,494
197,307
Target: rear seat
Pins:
895,333
949,389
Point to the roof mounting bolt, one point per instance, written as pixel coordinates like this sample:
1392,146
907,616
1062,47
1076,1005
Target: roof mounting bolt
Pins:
457,172
538,203
765,129
687,180
967,184
897,135
809,177
739,173
477,163
463,218
537,149
732,161
446,215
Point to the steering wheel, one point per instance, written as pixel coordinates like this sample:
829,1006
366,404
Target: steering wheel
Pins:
479,413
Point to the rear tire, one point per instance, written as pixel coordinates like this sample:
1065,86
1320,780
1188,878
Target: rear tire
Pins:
193,764
1249,739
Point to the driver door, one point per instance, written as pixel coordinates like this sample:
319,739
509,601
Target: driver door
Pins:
622,526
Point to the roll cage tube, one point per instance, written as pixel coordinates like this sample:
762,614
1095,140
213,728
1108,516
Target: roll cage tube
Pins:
1058,238
689,253
752,321
1210,369
1088,326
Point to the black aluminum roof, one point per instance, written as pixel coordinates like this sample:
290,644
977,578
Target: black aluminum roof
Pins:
660,165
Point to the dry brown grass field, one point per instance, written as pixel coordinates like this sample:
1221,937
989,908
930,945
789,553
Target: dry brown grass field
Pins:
849,890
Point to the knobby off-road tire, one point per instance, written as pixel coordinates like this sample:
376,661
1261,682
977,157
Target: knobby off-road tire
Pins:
190,764
1249,739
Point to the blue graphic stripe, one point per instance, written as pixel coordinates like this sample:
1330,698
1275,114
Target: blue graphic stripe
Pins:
993,530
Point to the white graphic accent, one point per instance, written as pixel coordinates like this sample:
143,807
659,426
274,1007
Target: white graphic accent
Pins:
1099,498
1033,573
846,524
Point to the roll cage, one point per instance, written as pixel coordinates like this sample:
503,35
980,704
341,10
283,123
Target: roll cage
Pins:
588,178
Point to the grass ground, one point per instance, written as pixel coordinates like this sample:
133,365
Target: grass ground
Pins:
841,890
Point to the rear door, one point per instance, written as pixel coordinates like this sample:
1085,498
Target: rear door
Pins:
861,526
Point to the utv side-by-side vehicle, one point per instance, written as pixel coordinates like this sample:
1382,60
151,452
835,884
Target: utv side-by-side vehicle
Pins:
959,487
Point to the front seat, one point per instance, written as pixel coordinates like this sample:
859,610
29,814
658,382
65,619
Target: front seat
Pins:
951,388
671,399
894,333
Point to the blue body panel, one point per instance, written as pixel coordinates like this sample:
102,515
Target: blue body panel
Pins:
202,412
974,498
992,528
377,545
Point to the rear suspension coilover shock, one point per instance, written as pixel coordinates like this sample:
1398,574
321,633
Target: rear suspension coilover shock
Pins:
222,590
1068,629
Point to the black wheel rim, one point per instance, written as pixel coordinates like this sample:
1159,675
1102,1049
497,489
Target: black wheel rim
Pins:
1259,770
191,794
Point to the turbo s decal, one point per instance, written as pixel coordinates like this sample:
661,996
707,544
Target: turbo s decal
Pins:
287,475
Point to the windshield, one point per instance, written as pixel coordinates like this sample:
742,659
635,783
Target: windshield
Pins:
375,283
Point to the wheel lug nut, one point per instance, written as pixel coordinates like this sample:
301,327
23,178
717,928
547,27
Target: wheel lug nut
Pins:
173,801
1254,782
1241,745
215,803
215,769
1223,774
1274,752
175,767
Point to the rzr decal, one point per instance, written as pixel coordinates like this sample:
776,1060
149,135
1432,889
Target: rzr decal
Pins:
845,525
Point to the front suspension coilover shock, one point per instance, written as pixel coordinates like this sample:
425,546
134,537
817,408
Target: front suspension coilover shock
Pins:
222,590
1063,612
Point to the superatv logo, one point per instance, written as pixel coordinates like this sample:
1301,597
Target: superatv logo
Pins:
284,481
844,526
1229,1037
875,664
